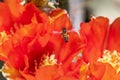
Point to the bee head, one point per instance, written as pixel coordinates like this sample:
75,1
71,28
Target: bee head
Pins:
64,30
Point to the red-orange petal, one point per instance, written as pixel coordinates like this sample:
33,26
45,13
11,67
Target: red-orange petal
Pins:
48,73
15,7
27,76
110,73
16,57
118,76
97,70
60,19
5,17
93,34
67,78
113,41
102,71
43,40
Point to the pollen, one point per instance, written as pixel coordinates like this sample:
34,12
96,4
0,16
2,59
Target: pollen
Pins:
49,60
3,37
111,57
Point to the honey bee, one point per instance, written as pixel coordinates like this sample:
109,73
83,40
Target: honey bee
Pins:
65,34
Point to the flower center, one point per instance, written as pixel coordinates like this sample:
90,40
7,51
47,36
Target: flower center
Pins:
113,58
49,60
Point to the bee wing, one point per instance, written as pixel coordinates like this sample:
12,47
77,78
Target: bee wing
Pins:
60,32
57,32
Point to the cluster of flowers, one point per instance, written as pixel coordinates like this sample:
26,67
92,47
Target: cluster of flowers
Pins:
43,46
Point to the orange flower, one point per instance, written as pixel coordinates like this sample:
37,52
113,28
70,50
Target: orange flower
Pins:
43,46
101,49
22,21
99,36
29,45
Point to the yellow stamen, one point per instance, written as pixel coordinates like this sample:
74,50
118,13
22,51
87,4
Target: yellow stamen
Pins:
113,58
49,60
